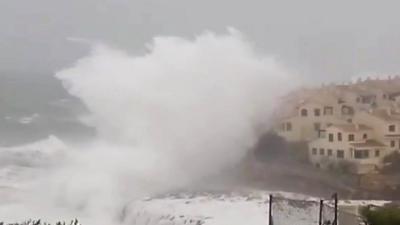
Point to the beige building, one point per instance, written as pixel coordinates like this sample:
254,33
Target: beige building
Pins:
356,122
309,118
353,143
386,124
303,109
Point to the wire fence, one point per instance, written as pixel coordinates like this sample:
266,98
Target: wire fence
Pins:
322,212
40,222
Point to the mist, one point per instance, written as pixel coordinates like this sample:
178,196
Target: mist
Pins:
183,111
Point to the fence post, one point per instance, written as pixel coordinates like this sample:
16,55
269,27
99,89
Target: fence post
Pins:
335,220
270,222
321,207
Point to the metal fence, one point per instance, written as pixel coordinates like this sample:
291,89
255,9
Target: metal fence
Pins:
322,212
281,211
39,222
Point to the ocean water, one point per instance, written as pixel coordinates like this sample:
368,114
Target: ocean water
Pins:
35,106
113,127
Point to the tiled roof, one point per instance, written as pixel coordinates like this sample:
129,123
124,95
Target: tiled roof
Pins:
351,127
320,99
385,115
368,143
384,85
392,135
361,91
394,94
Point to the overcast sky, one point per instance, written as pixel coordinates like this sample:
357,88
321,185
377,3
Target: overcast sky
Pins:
328,40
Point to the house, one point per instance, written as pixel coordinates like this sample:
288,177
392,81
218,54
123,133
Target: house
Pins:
308,119
348,143
386,124
356,123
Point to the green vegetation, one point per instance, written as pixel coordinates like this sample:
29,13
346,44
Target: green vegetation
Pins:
271,146
392,163
342,168
388,215
299,152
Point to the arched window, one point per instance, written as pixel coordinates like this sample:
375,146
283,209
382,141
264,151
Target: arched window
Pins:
304,112
347,110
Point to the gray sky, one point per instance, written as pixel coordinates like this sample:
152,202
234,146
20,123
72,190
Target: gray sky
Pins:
323,39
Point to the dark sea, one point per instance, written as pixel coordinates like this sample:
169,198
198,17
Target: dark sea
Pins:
34,106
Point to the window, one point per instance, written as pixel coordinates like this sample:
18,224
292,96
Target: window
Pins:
384,96
321,134
330,137
347,110
340,154
288,126
351,137
329,152
304,112
317,126
361,154
339,136
317,112
365,136
314,151
358,99
322,151
392,128
366,153
377,153
392,143
368,99
358,154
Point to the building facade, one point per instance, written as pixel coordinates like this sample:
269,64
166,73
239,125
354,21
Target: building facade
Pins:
356,123
348,143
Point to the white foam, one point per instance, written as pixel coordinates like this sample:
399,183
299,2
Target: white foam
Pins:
185,110
28,119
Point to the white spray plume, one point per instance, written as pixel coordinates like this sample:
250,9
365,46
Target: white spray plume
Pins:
184,111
